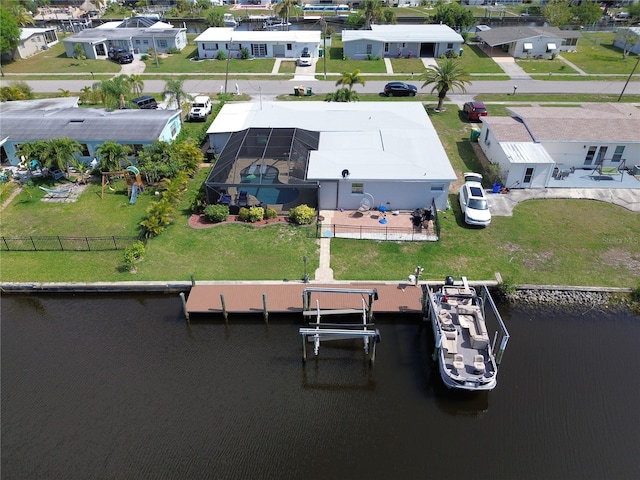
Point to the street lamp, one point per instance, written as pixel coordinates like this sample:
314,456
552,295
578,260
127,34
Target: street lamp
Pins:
306,275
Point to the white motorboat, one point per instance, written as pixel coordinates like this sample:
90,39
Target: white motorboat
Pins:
463,347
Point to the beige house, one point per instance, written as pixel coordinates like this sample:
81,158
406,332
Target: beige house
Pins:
34,40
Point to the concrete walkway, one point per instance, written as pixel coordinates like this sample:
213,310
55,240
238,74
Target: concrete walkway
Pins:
575,67
511,68
324,272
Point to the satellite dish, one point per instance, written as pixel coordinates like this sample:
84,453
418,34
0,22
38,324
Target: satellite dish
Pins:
345,173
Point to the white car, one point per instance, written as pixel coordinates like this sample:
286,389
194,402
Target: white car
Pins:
473,201
305,59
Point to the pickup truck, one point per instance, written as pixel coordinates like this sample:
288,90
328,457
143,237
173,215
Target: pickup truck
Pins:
200,108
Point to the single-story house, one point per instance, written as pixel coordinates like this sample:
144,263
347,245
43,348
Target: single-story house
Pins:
526,42
261,44
34,40
138,35
628,37
401,41
330,155
31,120
536,144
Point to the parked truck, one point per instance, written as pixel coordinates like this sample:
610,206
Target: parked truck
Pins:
200,108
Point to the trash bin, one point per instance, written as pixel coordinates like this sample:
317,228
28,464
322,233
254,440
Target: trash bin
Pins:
496,188
460,52
320,52
299,91
309,91
475,134
636,169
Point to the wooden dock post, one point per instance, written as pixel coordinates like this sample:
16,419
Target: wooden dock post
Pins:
184,305
193,281
265,312
304,348
224,308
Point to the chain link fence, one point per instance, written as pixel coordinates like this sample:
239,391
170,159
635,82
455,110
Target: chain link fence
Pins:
61,243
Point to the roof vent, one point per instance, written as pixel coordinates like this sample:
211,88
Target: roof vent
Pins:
76,120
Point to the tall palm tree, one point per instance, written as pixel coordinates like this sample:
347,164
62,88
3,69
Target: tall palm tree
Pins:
174,90
445,76
23,17
373,10
113,156
136,83
349,79
115,91
284,9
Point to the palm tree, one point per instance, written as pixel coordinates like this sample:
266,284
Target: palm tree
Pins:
349,79
136,83
445,76
342,95
23,17
115,92
284,8
174,90
372,10
112,156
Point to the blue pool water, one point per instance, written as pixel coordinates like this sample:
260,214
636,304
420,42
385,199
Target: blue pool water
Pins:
262,177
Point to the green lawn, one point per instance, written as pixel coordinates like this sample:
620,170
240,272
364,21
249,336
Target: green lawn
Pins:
55,60
186,62
597,55
544,65
475,60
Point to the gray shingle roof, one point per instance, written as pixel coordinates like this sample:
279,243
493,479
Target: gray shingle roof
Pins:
502,35
86,124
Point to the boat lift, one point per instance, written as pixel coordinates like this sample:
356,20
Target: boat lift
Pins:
318,331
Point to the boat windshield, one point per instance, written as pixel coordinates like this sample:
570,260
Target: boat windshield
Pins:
478,204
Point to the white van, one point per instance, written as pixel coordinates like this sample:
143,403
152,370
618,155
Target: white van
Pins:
200,108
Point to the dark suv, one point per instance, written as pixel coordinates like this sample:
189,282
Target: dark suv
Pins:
400,89
120,55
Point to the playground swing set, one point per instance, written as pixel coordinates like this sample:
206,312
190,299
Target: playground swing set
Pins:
131,176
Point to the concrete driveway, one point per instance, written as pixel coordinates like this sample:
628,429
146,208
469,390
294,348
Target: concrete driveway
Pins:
503,204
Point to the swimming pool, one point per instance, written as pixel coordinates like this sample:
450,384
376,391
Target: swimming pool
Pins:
263,175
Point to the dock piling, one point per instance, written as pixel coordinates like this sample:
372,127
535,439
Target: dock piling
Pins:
224,308
184,305
265,312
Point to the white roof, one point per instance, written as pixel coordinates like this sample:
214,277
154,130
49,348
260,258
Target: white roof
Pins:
404,33
109,25
25,33
226,34
526,152
373,140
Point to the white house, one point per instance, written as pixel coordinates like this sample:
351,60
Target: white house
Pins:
345,152
539,145
401,41
31,120
260,44
34,40
138,35
629,38
526,42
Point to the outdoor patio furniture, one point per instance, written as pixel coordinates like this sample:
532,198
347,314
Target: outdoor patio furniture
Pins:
243,198
57,174
225,199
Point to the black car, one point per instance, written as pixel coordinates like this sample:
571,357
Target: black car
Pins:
120,55
400,89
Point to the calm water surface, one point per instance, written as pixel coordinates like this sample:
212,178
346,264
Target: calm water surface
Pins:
122,388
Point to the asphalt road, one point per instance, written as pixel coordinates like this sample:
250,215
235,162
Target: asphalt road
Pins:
271,88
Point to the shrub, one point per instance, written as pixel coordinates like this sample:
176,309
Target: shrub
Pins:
302,215
216,213
144,57
244,53
132,254
221,55
505,290
251,214
271,213
173,51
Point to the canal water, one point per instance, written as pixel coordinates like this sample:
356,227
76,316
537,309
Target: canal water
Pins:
123,388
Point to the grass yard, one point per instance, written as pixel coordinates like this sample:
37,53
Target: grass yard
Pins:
55,60
182,63
547,66
475,60
597,55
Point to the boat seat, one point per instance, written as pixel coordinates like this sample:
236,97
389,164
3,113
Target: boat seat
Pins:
450,345
445,317
458,362
477,327
478,363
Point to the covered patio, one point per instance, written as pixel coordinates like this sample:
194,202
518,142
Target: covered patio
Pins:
593,178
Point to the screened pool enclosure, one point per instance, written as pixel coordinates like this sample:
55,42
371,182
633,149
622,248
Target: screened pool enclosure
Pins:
264,166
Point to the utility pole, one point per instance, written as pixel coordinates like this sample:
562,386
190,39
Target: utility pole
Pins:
324,46
630,75
226,73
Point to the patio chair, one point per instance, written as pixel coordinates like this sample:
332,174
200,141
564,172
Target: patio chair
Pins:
243,198
225,199
57,174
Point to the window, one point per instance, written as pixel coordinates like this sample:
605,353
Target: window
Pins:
449,46
527,47
386,47
145,42
590,154
289,46
528,175
162,43
570,42
357,188
84,150
259,49
601,154
617,156
137,42
369,48
551,46
437,187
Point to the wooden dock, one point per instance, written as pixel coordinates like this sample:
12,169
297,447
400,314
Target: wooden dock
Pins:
280,298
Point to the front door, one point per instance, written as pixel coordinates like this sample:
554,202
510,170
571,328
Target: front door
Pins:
528,176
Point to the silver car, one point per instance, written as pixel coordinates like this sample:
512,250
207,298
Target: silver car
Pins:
473,201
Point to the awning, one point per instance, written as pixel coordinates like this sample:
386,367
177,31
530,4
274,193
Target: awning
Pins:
551,46
528,46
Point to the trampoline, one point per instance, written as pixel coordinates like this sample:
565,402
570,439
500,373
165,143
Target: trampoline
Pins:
261,176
